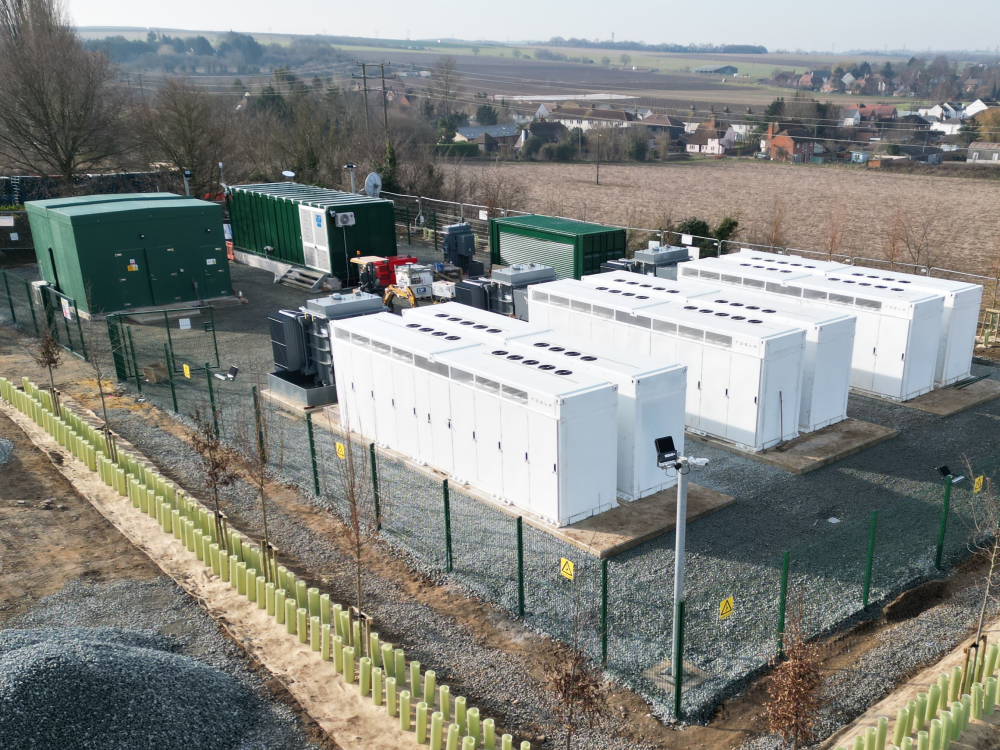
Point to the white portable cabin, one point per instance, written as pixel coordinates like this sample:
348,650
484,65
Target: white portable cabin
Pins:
651,392
826,359
743,373
959,319
540,437
896,341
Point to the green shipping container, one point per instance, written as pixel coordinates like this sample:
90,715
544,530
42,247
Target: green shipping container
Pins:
298,224
123,252
572,248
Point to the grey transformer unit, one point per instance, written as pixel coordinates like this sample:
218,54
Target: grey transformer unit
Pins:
657,260
300,342
506,292
459,246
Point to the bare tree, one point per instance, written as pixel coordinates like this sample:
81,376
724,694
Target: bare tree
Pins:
98,354
774,225
892,239
216,462
625,59
985,539
499,189
47,353
62,112
835,221
444,82
793,687
919,239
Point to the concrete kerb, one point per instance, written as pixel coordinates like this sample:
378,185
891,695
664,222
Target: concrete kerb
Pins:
155,529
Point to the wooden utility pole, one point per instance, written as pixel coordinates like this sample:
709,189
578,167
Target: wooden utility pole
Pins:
385,107
364,79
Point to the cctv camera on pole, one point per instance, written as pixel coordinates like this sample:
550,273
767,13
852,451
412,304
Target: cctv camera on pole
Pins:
351,166
668,459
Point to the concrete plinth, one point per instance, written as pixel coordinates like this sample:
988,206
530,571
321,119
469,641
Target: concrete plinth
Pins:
947,401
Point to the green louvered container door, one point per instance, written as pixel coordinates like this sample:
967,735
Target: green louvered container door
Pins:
518,248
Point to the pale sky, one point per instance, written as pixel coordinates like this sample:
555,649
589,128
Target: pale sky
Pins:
777,24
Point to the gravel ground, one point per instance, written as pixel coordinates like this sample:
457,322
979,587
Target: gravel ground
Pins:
145,653
6,448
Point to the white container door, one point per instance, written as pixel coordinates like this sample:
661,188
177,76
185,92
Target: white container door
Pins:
488,435
580,325
385,410
715,365
744,394
559,319
866,340
441,423
689,355
890,353
425,433
363,398
602,331
514,453
406,410
543,462
463,433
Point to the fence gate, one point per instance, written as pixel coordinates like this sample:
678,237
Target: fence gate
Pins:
146,345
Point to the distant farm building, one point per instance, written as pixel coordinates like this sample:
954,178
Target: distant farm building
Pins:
722,70
984,152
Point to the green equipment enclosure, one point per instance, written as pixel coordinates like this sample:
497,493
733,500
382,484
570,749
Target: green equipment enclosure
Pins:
572,248
113,253
299,224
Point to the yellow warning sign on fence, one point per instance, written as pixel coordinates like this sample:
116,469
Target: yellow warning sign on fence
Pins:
566,568
341,451
187,371
726,608
978,486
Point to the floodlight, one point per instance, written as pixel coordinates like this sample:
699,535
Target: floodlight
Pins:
665,451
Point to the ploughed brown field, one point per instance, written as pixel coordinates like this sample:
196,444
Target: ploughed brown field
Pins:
961,216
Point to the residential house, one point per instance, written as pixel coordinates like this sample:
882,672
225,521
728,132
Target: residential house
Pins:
878,112
927,154
847,79
980,105
642,114
673,127
722,70
813,79
971,84
785,78
850,117
586,119
711,138
984,152
942,111
549,132
951,126
793,143
860,157
489,137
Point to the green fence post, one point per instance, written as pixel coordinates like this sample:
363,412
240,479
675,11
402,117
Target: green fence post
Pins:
211,399
170,341
375,493
79,329
258,421
434,219
135,365
871,555
944,522
408,242
312,452
215,341
172,364
31,306
69,336
447,527
520,567
117,342
604,611
678,661
170,377
782,600
10,300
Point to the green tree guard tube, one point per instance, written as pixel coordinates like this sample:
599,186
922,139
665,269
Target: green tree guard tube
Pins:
279,605
336,621
415,677
990,697
472,716
390,695
269,599
175,523
213,553
251,584
289,615
133,492
151,503
933,701
899,729
468,743
489,734
421,723
437,722
338,654
373,650
282,574
301,594
966,711
223,565
911,717
364,675
345,626
196,543
315,639
935,734
922,740
444,701
430,677
234,572
313,595
943,683
460,717
881,730
241,578
122,482
907,744
991,661
859,742
945,730
452,743
324,608
236,545
141,492
206,550
262,592
167,521
977,701
955,685
378,680
957,719
302,624
324,642
921,716
387,660
356,637
399,671
348,664
191,537
525,745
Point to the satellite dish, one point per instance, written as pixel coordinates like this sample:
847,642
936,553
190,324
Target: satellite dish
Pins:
288,173
373,185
